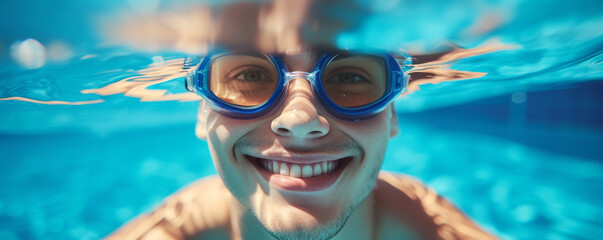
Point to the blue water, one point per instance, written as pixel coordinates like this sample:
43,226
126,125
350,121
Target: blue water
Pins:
518,149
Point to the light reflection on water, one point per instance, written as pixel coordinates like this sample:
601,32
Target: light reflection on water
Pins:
432,71
137,87
125,121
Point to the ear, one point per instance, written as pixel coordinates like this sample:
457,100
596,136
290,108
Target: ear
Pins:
395,126
201,127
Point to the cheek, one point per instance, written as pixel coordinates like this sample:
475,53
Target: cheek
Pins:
370,133
222,134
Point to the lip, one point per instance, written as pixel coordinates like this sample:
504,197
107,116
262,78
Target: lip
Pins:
295,184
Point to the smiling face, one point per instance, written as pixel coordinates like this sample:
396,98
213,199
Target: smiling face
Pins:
298,169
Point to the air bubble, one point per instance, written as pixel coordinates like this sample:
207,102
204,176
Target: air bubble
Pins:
29,53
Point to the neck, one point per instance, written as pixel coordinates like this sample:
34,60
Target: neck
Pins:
244,225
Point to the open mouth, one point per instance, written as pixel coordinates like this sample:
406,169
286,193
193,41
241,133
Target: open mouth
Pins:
300,177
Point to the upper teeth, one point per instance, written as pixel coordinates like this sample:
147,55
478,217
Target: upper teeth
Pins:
297,170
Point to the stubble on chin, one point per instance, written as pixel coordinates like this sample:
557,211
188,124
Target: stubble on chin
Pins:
325,231
321,232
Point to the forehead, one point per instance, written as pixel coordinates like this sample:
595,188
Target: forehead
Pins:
302,60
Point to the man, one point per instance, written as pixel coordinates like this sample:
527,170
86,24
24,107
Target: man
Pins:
291,165
298,135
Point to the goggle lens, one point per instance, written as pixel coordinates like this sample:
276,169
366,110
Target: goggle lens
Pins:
243,79
354,80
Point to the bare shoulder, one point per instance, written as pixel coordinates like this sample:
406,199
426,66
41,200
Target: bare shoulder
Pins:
200,210
406,203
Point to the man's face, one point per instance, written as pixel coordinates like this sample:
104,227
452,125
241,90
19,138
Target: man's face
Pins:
298,169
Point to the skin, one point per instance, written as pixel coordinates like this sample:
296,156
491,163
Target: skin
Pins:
363,204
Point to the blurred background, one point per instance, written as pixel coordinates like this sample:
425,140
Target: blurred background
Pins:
503,117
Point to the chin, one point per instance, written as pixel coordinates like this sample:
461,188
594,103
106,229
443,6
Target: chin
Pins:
285,221
301,225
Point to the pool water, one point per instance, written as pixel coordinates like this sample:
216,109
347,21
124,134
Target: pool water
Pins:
506,121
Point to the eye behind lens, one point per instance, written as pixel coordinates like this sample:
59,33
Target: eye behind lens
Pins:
243,79
355,80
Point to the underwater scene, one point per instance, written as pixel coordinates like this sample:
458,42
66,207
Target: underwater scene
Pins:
503,115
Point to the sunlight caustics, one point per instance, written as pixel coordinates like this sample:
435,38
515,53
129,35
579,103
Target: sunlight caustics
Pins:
51,102
134,86
437,71
137,86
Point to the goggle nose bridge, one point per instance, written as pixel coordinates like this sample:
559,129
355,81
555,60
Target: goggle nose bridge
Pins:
310,76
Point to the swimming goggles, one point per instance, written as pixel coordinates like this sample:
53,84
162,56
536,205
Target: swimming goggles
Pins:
350,86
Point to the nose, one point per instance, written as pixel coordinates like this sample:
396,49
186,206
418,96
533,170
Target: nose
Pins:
299,117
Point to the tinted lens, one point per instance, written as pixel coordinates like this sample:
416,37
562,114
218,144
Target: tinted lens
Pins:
355,80
243,79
